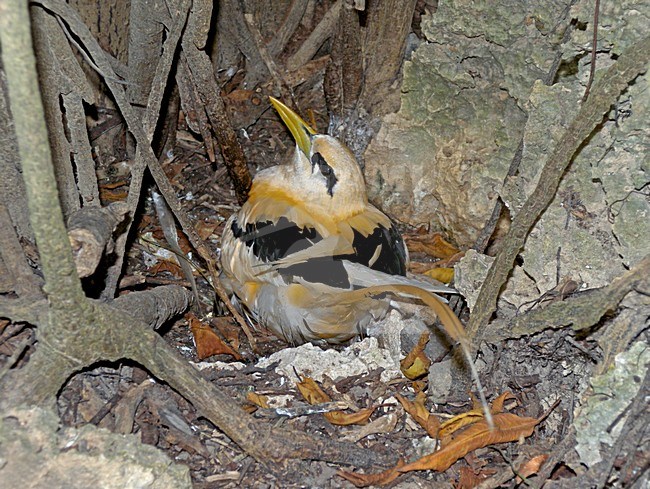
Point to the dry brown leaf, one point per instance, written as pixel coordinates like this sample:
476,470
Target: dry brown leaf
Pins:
419,367
169,267
379,479
205,229
419,386
531,467
507,427
476,414
432,245
444,275
312,392
416,363
240,95
451,261
382,425
459,421
420,414
114,185
468,479
109,196
174,170
258,399
340,418
207,342
311,117
228,330
419,267
497,404
184,243
249,408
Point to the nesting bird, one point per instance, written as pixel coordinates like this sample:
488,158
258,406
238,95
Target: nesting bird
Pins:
308,256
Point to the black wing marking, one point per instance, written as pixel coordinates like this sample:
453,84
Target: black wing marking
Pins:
392,255
325,270
274,241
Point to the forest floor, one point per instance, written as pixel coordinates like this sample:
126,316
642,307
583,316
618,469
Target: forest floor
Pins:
536,371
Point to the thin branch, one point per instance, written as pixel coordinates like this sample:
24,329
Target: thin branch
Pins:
157,305
281,85
85,55
202,73
594,46
319,34
276,45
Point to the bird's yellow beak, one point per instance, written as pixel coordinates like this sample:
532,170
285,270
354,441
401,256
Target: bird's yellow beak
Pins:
300,130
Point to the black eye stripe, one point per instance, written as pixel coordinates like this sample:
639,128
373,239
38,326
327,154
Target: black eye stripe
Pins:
317,159
326,170
323,167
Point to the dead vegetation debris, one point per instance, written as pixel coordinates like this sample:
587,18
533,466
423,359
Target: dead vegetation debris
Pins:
172,106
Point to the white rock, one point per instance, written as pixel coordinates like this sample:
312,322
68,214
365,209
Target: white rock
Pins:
219,365
310,360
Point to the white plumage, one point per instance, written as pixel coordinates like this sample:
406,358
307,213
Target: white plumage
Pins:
307,255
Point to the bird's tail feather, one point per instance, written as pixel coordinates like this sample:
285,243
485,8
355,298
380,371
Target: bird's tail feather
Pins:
450,322
362,276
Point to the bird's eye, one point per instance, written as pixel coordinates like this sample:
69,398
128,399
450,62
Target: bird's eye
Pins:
317,159
325,169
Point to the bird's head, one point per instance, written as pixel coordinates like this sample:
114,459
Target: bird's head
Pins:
323,171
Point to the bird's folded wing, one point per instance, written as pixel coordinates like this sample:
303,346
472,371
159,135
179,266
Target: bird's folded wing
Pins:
362,276
328,247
